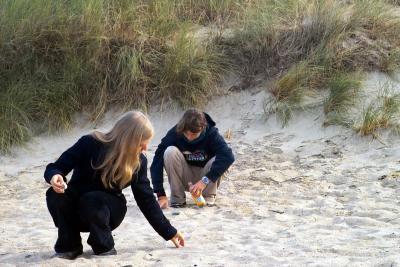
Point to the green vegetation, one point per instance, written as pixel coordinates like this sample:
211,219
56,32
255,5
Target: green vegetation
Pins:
313,45
61,57
343,90
382,113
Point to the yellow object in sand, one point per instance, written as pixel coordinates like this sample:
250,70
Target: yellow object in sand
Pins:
200,201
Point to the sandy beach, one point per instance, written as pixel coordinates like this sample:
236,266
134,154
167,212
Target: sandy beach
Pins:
303,195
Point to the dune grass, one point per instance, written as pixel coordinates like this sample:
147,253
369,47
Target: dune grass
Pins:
394,2
62,57
311,45
190,70
381,113
343,91
289,91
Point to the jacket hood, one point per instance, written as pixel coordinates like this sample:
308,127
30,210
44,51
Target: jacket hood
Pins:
210,121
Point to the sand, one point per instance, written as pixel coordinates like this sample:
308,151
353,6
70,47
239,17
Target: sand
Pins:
303,195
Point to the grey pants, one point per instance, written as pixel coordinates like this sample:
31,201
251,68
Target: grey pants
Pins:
180,173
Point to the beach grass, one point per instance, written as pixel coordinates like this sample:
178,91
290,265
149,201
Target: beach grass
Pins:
382,113
343,93
58,58
311,45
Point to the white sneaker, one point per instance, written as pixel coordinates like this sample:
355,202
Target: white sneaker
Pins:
210,200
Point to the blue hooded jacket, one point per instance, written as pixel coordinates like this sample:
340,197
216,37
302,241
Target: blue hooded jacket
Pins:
197,153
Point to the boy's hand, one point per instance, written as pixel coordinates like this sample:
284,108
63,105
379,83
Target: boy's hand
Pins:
197,188
163,202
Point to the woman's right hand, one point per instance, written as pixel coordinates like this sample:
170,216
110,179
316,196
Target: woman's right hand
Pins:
57,182
163,202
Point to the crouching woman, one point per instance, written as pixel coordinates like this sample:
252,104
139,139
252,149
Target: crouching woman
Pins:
103,164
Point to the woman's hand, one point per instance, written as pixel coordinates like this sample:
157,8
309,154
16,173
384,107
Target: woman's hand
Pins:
163,202
57,182
178,240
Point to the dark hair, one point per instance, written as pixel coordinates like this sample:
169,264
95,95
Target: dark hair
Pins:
193,120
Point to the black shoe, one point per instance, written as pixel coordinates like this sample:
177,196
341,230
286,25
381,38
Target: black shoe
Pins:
178,205
111,252
69,255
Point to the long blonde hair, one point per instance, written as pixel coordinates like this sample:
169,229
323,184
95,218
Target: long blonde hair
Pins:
124,142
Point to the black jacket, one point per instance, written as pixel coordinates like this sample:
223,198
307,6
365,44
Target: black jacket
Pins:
87,152
197,153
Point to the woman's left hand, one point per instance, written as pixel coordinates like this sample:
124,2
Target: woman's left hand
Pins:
178,240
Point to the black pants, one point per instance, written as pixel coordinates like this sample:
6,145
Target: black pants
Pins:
96,212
